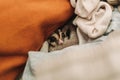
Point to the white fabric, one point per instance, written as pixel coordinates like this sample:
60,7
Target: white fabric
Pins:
84,8
93,17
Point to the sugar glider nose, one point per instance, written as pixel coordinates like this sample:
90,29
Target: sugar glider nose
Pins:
60,42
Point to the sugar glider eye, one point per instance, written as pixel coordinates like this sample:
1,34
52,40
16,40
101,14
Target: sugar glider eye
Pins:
53,39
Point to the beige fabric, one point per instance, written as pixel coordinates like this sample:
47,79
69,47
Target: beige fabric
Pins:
94,19
83,8
99,61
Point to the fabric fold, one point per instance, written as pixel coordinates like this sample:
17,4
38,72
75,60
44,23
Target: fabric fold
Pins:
83,8
93,17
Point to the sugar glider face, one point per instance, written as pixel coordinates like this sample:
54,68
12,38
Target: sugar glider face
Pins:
58,37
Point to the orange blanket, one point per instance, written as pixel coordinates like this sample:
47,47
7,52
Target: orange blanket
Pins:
24,25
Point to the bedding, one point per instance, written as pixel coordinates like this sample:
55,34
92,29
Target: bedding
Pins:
93,61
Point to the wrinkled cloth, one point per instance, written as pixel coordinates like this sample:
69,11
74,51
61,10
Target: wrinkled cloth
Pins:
93,16
93,61
113,25
84,8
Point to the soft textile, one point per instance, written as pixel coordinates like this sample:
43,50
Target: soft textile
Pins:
113,25
24,26
84,8
99,61
93,16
